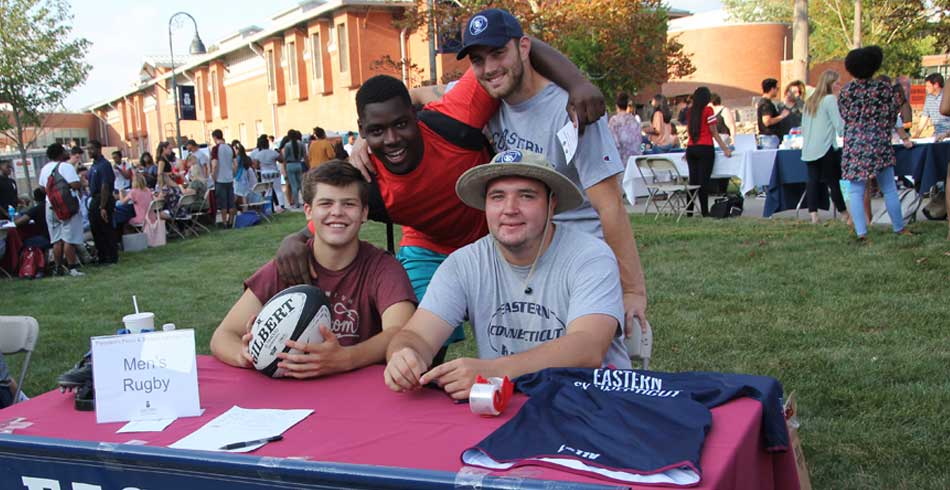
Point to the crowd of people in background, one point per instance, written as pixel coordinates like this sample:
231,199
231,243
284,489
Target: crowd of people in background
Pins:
819,115
114,195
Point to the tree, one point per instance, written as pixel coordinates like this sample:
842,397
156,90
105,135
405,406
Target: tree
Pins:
40,66
619,44
906,30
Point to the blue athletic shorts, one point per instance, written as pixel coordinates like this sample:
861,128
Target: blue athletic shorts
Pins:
420,264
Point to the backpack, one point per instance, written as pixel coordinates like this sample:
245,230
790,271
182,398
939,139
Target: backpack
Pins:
32,263
246,219
729,206
60,195
721,127
6,394
936,208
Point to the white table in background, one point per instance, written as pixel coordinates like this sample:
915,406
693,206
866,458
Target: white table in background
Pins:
753,168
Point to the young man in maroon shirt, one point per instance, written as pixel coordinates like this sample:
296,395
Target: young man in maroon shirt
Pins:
370,295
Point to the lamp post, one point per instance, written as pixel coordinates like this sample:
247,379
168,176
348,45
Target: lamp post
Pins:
197,47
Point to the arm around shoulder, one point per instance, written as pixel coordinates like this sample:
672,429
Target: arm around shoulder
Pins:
293,258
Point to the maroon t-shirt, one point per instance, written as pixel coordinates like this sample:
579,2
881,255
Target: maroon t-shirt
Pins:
359,293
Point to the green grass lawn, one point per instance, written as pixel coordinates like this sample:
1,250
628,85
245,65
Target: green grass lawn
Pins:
860,332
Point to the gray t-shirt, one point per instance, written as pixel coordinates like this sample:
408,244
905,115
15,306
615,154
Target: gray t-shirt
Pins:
225,156
533,125
576,276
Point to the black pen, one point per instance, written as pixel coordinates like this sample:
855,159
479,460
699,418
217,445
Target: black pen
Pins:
239,445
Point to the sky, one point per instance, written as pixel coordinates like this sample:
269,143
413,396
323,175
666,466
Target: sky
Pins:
122,32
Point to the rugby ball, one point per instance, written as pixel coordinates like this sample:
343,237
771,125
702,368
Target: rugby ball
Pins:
295,313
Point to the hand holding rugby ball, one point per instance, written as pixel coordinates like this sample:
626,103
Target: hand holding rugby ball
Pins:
295,313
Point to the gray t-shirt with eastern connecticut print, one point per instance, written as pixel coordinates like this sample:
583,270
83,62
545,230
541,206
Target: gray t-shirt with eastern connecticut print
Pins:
533,125
576,276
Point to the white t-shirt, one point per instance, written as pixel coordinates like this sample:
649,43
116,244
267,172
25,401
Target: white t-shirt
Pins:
268,160
121,183
65,169
202,168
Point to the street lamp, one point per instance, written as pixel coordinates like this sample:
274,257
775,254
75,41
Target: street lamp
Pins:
197,47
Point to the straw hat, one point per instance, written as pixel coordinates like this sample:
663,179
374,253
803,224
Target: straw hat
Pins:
471,186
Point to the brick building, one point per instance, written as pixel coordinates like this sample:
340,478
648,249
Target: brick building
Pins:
301,71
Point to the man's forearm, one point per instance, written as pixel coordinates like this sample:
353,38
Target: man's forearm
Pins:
372,351
425,95
409,339
773,120
554,66
104,196
576,349
226,346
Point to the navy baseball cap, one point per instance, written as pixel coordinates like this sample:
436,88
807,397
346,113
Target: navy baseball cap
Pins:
491,27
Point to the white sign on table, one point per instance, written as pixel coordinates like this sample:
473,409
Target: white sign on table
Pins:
145,376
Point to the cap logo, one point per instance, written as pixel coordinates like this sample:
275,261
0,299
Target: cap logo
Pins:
478,25
510,156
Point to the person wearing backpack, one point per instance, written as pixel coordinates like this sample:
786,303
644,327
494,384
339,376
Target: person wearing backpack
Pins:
102,205
62,209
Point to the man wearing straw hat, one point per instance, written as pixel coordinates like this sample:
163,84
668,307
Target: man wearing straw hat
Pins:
537,295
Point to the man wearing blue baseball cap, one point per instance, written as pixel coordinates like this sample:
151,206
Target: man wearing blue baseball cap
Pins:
537,294
530,116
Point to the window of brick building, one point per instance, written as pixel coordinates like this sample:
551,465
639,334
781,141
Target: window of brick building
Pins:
316,55
214,89
271,71
344,53
291,54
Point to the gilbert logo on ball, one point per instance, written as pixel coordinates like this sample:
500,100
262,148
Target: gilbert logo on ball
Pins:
295,313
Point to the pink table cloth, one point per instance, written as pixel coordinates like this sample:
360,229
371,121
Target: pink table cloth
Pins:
357,419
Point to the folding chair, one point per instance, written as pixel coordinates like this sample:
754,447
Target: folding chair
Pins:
680,195
259,189
646,175
3,236
183,215
198,210
19,334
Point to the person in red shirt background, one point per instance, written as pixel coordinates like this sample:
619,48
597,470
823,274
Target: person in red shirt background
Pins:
700,154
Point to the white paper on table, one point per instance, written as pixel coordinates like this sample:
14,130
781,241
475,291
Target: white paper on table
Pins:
239,425
567,136
153,425
156,425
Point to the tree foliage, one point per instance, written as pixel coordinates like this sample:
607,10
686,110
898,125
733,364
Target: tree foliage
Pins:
39,65
619,44
906,29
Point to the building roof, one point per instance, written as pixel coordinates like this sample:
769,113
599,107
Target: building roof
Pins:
165,61
281,21
706,20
